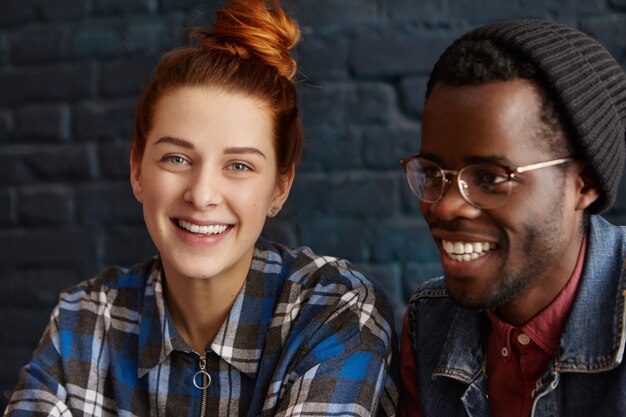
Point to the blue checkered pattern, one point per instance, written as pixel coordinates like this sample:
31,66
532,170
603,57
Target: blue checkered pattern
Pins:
307,336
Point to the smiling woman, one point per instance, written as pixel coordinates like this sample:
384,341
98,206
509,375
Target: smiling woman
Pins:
221,321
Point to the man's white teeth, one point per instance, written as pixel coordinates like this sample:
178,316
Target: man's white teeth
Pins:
465,251
203,230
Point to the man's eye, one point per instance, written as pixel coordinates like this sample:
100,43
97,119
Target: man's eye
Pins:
432,173
491,180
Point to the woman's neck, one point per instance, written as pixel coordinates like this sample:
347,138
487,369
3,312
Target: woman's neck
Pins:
199,306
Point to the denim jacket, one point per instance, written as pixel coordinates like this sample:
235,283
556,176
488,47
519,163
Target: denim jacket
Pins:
585,378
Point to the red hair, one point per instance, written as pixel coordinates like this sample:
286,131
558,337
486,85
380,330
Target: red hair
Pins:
247,52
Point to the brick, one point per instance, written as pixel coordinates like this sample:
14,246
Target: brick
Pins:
127,245
46,205
610,31
43,123
97,39
331,149
15,12
6,126
4,49
39,43
45,83
108,203
124,6
36,288
66,162
574,8
63,9
352,195
362,195
397,52
13,359
104,120
342,104
403,239
49,247
618,4
411,10
418,273
17,319
8,210
323,57
344,238
113,160
125,77
150,35
412,93
281,231
204,6
483,11
328,15
13,167
384,146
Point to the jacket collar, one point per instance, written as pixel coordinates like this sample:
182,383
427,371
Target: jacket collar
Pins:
594,336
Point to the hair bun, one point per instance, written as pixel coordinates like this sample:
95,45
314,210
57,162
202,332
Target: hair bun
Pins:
249,28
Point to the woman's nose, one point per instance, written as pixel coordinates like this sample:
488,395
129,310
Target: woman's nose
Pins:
204,189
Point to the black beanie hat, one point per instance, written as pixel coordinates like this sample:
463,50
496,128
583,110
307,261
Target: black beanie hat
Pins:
588,84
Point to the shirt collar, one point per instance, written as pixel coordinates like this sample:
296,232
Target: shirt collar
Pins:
155,339
546,327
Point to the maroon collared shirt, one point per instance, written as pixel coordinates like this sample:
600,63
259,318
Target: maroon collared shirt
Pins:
517,357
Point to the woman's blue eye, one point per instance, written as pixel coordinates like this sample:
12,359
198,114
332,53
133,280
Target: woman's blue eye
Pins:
238,166
176,160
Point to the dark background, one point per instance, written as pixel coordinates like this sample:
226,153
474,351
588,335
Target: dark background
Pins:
70,75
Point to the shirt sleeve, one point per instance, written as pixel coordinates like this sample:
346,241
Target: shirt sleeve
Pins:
410,396
345,365
39,391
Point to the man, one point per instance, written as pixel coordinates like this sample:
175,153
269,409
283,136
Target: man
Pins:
522,147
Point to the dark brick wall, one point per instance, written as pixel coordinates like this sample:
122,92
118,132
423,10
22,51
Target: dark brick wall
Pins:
70,74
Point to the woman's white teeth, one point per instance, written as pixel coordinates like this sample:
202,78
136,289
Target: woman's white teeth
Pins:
203,230
465,251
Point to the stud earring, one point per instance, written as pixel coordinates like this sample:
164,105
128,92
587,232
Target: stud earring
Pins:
273,211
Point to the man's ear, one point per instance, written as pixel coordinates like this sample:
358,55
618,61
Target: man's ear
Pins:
135,174
587,190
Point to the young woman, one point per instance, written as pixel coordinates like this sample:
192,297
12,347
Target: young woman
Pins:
222,322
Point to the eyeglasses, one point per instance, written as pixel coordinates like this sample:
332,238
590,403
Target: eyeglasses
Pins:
486,186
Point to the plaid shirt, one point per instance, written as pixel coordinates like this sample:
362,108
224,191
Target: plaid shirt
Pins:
306,336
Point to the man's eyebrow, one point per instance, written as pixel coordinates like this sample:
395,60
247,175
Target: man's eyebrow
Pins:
175,141
238,150
476,159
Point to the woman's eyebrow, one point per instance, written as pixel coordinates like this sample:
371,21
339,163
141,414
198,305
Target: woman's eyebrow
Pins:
243,150
175,141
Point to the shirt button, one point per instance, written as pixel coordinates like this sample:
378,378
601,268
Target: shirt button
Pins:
505,352
523,339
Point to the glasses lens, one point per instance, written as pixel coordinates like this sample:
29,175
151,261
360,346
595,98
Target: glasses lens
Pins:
426,179
485,186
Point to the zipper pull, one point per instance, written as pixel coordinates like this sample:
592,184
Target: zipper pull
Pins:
204,377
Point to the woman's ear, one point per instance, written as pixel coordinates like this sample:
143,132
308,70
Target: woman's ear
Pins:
282,188
587,191
135,174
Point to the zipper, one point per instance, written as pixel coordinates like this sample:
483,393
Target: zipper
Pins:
202,381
